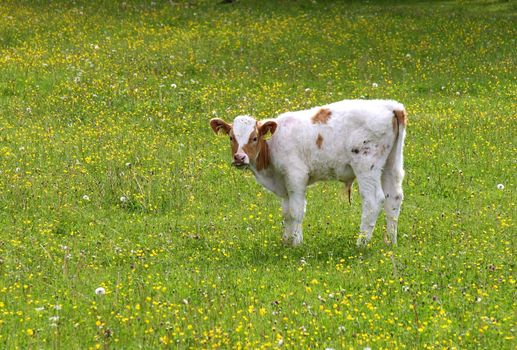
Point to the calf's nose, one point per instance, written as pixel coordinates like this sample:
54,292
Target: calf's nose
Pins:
239,157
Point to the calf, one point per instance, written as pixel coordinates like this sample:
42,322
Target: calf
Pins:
345,140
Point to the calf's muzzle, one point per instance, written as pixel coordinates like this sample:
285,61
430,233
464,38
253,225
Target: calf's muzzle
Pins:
240,159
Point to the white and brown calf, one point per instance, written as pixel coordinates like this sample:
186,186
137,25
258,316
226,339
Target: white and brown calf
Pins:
345,140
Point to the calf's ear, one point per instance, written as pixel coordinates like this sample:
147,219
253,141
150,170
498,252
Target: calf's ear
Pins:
218,125
267,128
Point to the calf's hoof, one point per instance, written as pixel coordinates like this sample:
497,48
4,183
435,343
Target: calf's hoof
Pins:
291,241
287,239
362,241
297,240
392,240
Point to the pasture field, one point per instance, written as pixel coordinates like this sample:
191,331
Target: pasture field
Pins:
110,176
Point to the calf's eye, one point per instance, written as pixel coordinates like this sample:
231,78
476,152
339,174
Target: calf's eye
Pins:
254,139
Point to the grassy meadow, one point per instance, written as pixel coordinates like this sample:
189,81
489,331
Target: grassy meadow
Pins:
110,176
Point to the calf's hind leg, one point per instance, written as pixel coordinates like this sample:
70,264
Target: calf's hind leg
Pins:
372,197
392,186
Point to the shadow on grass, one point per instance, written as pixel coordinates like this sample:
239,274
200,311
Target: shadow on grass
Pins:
324,249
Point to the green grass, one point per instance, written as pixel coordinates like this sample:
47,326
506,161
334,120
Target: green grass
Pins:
101,100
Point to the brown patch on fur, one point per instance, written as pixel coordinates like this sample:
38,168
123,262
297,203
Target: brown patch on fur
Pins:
322,117
252,148
394,124
218,125
348,185
401,117
267,127
256,148
263,156
235,145
319,141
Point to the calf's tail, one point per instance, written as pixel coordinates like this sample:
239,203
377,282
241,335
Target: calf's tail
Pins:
395,159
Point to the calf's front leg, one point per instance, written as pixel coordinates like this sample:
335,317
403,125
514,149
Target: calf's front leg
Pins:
296,213
287,221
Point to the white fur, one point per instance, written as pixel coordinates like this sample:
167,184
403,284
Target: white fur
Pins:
359,141
243,126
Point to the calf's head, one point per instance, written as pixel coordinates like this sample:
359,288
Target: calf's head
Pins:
247,140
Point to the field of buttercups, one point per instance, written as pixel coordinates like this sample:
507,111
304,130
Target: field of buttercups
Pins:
123,225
